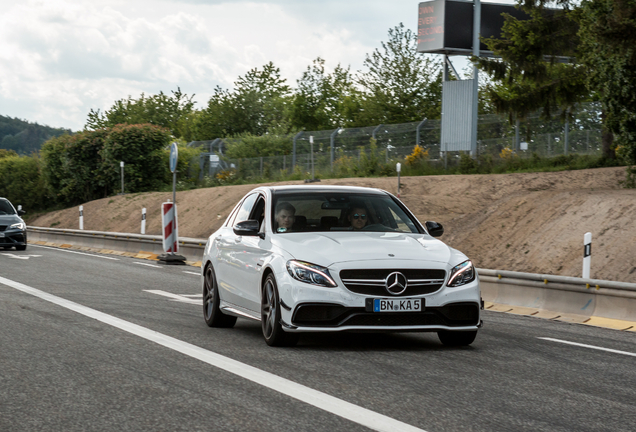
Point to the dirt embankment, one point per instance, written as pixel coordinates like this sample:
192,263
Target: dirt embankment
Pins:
531,222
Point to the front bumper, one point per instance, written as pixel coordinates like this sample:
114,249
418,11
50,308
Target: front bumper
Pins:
325,317
13,237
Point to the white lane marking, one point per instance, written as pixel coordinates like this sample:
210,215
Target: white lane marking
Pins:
339,407
147,264
76,252
193,295
175,297
192,273
589,346
10,255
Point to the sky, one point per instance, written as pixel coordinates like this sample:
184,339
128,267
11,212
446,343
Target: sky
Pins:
61,58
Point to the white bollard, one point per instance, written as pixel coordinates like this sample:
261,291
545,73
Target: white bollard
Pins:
587,254
398,168
143,220
81,209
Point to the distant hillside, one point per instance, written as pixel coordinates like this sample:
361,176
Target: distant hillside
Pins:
24,137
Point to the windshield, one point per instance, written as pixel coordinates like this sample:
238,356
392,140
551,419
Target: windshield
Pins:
329,211
6,208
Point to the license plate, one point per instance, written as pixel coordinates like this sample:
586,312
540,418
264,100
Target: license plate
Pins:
395,305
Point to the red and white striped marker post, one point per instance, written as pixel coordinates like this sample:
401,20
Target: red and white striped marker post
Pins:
169,228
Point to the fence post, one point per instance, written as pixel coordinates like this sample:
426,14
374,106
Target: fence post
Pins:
417,131
332,140
567,133
298,135
375,130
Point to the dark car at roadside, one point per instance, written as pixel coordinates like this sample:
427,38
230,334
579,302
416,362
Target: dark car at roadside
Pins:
13,231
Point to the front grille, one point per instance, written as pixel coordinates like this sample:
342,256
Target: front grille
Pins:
3,227
372,281
330,315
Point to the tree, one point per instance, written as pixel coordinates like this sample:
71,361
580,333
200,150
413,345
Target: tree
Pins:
169,111
540,65
400,85
259,103
608,35
321,100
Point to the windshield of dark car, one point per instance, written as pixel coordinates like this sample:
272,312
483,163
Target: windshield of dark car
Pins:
330,211
6,208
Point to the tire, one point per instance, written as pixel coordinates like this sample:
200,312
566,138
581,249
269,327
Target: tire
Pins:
457,338
211,311
21,247
273,332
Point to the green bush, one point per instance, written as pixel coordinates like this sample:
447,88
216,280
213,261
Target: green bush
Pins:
142,149
21,182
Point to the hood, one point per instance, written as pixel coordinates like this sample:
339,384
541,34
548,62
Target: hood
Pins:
326,249
10,219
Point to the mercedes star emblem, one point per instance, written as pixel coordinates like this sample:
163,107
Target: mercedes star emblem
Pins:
395,283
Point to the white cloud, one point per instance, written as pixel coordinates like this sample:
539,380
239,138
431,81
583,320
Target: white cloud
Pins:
60,58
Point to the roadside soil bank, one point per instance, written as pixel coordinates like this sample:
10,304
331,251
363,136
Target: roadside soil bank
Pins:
530,222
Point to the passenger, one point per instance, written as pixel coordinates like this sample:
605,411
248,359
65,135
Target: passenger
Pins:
358,217
284,216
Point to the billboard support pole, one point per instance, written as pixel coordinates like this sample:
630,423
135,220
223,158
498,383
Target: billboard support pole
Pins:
476,26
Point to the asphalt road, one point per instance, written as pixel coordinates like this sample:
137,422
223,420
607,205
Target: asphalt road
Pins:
95,342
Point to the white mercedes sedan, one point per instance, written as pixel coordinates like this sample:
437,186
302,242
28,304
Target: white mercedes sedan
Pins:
335,258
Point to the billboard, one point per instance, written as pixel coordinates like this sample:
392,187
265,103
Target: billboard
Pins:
446,26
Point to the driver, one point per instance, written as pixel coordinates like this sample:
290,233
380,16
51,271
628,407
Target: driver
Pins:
284,216
358,217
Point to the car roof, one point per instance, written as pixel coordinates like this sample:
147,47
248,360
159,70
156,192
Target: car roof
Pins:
323,189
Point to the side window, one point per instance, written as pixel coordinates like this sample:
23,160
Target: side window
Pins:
244,212
258,213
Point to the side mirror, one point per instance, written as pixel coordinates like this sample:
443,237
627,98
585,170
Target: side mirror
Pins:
20,211
247,228
434,229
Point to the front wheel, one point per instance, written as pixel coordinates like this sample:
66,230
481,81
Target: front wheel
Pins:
211,310
23,247
457,338
270,316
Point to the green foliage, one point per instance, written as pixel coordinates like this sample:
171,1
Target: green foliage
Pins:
400,84
608,34
530,76
259,103
141,148
169,111
246,145
21,182
24,137
322,100
187,166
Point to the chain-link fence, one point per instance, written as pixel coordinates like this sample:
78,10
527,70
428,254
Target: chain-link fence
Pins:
330,150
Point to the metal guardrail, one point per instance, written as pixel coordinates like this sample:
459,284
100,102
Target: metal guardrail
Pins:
570,295
565,283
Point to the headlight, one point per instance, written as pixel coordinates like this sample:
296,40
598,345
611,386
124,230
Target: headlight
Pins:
310,273
461,274
19,225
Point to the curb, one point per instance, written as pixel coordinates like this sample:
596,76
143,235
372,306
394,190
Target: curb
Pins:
138,255
594,321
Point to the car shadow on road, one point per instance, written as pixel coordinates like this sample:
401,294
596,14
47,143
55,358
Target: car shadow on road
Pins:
357,341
